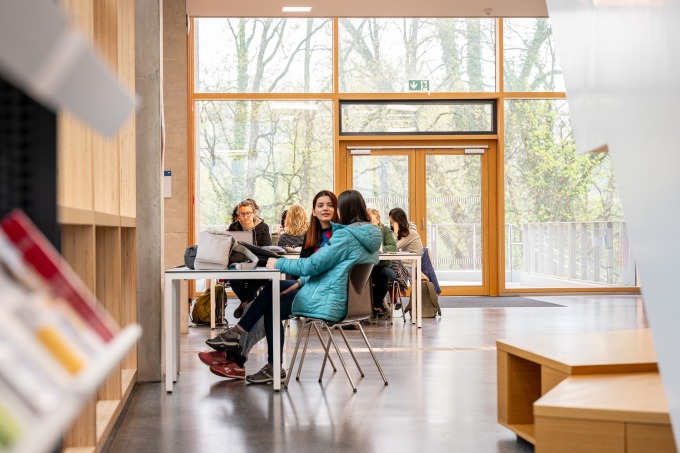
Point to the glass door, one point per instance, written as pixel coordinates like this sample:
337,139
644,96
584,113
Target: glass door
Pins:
444,191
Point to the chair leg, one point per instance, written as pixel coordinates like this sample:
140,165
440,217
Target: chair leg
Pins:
370,349
331,339
344,337
309,324
297,346
326,350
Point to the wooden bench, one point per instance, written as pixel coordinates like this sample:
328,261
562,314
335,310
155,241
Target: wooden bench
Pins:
528,368
624,412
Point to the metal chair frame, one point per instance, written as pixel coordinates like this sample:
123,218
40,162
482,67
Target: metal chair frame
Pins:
359,308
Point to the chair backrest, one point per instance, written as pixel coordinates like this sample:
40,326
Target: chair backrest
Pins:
359,293
428,269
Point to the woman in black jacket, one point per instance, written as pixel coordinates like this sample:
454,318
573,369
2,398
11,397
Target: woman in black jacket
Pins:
246,290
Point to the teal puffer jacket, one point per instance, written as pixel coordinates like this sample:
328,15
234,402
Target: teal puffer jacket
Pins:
326,273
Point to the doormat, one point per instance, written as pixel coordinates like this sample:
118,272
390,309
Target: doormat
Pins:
491,302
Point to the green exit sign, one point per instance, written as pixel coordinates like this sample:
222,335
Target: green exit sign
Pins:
419,85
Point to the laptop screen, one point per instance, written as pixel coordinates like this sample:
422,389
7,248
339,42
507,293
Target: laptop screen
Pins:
243,236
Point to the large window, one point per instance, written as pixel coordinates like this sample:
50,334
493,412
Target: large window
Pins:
277,102
383,55
278,152
529,58
263,55
564,221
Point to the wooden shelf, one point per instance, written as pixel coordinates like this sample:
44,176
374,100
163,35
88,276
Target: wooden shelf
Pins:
587,392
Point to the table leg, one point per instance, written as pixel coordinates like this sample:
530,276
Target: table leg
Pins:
414,292
419,294
211,284
168,334
276,320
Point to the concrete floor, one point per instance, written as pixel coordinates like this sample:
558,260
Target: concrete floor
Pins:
441,394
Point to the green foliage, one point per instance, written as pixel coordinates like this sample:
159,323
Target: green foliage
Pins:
546,180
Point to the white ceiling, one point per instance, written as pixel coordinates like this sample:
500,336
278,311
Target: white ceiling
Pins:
370,8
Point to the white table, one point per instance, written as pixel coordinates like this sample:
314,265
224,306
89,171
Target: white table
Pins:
416,272
173,278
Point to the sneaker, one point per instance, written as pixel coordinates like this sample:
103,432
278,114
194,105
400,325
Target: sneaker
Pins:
229,370
240,309
213,357
265,375
228,340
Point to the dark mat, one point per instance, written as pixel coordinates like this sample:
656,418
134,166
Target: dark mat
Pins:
491,302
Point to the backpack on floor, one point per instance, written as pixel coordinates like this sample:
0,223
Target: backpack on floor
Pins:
200,312
430,300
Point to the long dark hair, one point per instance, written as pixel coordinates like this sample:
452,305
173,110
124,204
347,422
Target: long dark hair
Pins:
399,216
313,236
352,208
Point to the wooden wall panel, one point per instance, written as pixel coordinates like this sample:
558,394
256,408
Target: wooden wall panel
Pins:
96,194
128,290
78,248
126,74
74,163
108,245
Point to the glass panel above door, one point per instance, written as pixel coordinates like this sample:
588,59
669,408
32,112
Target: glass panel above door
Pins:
445,117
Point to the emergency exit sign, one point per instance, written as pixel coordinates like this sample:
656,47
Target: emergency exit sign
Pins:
419,85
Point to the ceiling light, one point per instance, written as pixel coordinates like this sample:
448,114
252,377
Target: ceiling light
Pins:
296,9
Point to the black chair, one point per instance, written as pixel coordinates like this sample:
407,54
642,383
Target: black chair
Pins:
359,308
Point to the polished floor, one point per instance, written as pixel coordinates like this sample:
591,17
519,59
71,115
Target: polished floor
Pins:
441,394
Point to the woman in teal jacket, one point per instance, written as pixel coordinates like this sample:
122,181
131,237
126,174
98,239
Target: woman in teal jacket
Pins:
321,292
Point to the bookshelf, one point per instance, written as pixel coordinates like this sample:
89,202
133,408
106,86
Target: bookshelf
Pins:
94,205
96,200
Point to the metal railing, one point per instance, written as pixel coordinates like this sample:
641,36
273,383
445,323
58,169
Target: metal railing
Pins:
537,254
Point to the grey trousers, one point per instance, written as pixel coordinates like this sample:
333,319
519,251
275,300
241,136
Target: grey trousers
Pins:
254,336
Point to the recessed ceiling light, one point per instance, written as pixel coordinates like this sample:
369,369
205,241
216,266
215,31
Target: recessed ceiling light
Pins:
296,9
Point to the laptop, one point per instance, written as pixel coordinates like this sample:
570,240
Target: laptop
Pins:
243,236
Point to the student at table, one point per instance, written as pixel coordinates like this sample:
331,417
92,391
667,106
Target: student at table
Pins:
294,228
231,364
405,232
246,290
382,274
321,292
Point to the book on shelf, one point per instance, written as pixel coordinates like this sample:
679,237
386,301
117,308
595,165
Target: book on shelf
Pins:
51,332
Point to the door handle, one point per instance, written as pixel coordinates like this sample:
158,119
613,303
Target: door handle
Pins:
422,224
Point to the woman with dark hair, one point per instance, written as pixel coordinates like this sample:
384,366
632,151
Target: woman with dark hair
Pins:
322,291
405,232
231,364
323,213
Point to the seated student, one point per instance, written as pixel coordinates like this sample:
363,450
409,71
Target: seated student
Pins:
405,232
283,220
295,227
231,364
382,274
234,215
246,290
322,291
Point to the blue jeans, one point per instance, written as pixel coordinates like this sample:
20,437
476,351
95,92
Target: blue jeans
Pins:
261,310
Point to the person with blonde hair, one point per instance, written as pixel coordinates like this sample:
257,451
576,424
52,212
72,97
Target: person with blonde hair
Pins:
294,227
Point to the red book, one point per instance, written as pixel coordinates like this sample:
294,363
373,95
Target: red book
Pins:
62,281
